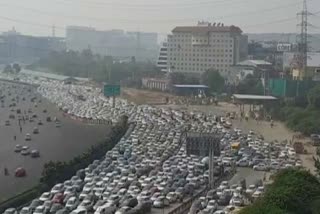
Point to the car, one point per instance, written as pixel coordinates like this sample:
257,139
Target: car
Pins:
86,204
7,123
58,124
25,150
261,167
106,209
18,148
10,211
35,153
72,203
236,201
212,205
58,198
34,204
20,172
45,196
57,188
47,206
25,210
40,123
63,211
39,210
35,130
55,208
172,197
48,119
161,202
123,210
27,137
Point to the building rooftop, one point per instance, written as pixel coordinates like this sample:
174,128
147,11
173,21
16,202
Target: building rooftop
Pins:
253,97
254,63
207,29
190,86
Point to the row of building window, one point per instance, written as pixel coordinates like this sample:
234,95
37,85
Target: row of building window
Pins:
190,35
176,65
186,69
200,55
202,60
200,41
181,46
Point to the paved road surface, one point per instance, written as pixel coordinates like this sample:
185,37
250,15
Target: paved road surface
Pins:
63,143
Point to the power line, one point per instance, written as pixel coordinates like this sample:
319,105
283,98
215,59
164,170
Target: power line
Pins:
149,20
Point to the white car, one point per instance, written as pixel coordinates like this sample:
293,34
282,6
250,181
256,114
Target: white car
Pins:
28,137
212,205
39,210
45,196
261,167
72,203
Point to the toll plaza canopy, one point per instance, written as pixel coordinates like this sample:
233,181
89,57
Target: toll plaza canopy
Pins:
253,101
248,98
189,89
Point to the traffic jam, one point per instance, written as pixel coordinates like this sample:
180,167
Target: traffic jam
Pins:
149,169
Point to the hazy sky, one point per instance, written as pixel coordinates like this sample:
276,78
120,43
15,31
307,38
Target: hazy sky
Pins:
37,16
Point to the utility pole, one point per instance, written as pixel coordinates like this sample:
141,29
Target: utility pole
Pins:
303,39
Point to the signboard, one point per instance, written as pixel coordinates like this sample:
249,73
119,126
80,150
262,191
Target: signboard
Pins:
284,47
110,90
201,144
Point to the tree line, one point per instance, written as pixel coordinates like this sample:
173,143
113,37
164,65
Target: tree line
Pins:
293,191
93,66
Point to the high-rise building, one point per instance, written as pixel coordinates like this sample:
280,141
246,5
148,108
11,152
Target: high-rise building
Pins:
117,43
162,62
195,49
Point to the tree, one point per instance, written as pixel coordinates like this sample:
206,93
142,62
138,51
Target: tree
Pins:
16,67
314,97
293,191
250,85
214,80
8,69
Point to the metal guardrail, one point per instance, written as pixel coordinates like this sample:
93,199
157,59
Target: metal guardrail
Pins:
185,206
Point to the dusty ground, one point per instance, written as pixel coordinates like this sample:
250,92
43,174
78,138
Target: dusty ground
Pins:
145,97
278,132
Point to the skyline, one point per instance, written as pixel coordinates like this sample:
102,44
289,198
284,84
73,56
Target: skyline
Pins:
253,16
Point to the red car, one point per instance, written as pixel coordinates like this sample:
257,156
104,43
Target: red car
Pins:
20,172
58,198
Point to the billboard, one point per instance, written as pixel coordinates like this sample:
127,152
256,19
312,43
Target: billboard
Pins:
200,144
284,47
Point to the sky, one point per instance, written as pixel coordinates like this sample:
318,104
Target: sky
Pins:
36,17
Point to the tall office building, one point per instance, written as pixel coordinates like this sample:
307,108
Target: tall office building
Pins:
162,62
195,49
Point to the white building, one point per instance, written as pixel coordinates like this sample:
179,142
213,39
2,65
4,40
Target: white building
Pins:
195,49
162,62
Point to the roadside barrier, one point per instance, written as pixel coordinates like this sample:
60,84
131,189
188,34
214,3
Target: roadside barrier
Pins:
185,206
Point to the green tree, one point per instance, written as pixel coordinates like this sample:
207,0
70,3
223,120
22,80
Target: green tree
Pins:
8,69
214,80
16,67
293,191
314,97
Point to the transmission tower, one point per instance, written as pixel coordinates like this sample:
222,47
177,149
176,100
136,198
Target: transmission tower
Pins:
303,38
